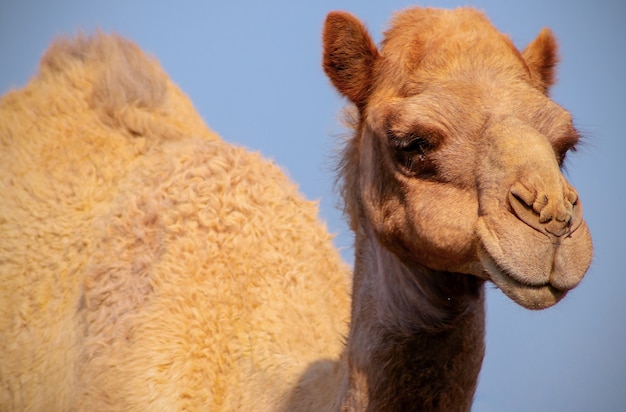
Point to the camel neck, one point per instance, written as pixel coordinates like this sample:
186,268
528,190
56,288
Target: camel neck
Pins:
417,336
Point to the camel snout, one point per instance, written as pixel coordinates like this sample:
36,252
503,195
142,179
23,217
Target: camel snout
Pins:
555,213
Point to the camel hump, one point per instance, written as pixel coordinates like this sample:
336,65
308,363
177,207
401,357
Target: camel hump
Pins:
127,88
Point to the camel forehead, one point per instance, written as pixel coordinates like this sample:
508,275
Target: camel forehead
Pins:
425,45
431,21
460,110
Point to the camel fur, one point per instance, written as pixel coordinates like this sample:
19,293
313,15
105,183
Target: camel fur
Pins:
145,264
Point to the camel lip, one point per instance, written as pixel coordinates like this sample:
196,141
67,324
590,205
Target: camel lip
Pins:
530,296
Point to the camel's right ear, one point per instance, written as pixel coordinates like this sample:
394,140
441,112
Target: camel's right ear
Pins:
349,56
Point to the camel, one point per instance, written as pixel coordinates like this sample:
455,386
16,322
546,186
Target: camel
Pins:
146,264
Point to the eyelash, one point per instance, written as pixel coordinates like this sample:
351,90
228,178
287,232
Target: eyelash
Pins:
412,144
563,155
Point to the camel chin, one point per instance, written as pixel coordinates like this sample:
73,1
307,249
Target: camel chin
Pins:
528,296
543,275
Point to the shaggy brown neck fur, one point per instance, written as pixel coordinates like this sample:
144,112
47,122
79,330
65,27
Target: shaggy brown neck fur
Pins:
417,336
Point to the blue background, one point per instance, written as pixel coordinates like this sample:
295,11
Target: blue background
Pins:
253,71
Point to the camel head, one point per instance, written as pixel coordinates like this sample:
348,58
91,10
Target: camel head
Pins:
455,163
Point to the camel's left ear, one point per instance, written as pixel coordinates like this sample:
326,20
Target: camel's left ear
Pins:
542,57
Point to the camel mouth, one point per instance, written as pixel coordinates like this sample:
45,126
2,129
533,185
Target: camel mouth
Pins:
536,296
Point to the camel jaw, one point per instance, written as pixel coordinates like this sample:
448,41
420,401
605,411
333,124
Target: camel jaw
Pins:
531,268
529,296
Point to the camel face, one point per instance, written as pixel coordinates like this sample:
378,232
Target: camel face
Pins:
455,163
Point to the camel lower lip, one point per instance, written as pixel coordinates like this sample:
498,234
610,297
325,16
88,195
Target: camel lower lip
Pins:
529,296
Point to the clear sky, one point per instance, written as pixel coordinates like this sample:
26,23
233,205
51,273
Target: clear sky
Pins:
253,71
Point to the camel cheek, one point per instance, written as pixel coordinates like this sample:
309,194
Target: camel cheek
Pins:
442,233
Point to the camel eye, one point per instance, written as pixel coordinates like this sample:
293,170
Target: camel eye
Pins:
412,145
565,144
410,151
562,150
561,156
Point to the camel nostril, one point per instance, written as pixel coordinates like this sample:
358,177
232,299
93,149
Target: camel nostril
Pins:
571,195
542,213
545,215
523,195
561,224
521,203
565,216
540,203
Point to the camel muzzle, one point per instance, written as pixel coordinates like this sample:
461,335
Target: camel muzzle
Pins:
534,243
